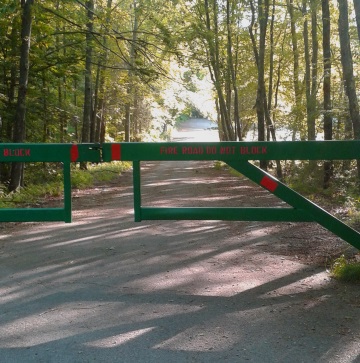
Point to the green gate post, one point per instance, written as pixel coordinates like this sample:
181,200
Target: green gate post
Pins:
67,192
137,191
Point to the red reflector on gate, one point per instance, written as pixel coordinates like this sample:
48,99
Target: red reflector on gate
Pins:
74,153
268,183
115,152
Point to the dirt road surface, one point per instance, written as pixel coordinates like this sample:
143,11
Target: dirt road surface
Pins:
107,289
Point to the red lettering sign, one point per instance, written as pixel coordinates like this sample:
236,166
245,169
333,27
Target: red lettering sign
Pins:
253,150
168,150
192,150
17,152
227,150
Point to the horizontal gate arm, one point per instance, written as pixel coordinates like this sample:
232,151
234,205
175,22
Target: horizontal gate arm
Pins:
232,150
33,215
296,200
225,214
49,152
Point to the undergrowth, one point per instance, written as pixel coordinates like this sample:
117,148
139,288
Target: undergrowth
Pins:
44,180
342,196
346,271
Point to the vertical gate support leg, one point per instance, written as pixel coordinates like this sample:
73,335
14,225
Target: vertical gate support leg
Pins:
137,190
67,191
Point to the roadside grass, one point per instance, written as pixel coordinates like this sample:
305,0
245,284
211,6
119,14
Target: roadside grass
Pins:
46,181
346,271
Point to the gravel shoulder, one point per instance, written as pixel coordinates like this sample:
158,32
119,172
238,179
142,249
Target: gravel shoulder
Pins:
107,289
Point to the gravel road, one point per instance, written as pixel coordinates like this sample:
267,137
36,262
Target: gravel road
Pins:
107,289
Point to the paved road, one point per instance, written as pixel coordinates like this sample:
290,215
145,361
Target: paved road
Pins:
106,289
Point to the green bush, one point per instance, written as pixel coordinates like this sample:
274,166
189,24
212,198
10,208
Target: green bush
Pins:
81,179
344,270
219,165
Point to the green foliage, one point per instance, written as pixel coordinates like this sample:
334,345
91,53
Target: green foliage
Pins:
81,179
106,172
342,197
346,271
46,180
135,67
305,178
31,195
42,173
97,173
219,165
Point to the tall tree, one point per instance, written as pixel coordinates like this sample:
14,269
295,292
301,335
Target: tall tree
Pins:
213,40
328,165
261,102
85,137
357,16
310,66
232,67
99,104
348,70
132,58
297,108
19,122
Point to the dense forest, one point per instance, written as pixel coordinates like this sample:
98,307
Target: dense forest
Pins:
109,70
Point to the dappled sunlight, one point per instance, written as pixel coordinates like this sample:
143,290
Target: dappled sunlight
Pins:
189,295
119,339
344,350
203,338
12,294
170,182
318,280
105,287
208,273
162,187
77,241
65,320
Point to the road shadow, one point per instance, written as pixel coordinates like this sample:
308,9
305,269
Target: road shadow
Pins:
107,289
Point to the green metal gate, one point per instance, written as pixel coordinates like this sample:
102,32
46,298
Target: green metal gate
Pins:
237,155
63,153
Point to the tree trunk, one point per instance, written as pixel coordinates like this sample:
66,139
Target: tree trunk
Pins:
99,101
130,87
100,109
328,165
357,15
94,108
310,68
85,135
11,105
212,38
348,72
296,69
271,58
45,108
17,169
233,73
263,13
